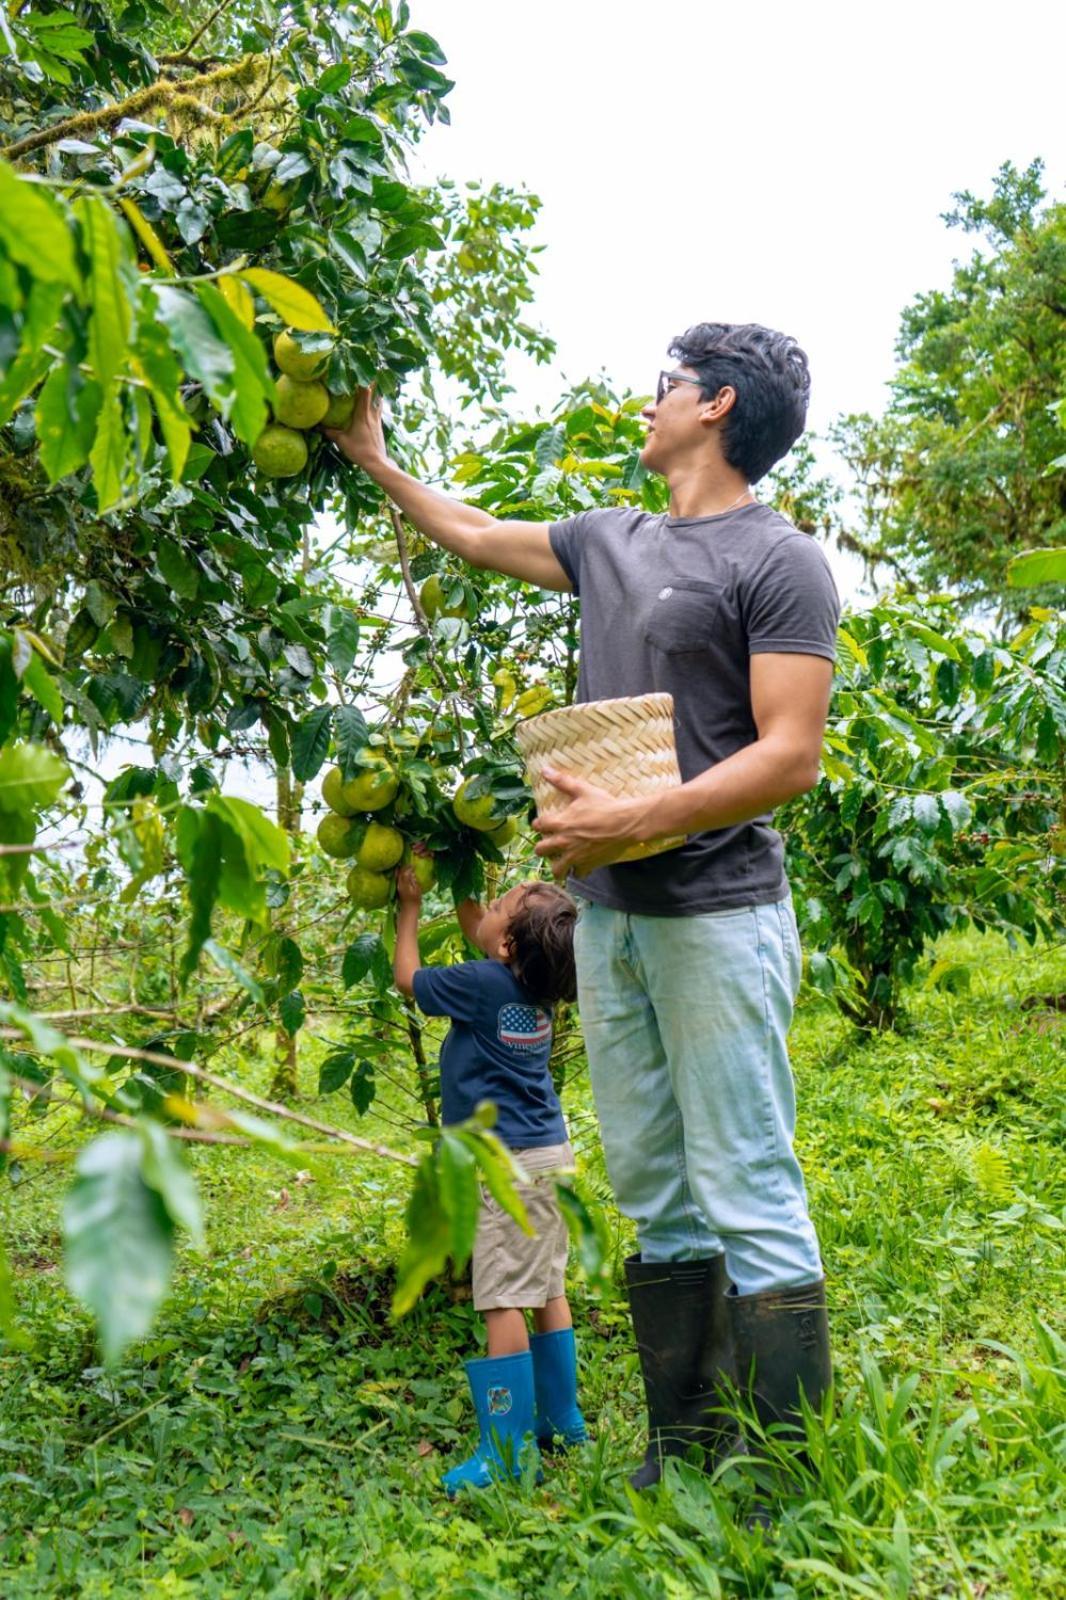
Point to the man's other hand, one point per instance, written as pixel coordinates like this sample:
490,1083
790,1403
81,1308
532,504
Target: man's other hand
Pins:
363,440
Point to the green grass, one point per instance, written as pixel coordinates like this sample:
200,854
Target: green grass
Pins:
277,1436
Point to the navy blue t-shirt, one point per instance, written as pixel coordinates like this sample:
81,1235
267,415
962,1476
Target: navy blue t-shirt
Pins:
497,1049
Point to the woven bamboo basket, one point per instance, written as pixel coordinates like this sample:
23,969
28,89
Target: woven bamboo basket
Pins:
625,746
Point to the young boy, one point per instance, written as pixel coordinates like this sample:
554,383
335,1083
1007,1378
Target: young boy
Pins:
497,1049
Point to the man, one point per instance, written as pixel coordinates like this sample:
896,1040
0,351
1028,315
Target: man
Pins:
688,962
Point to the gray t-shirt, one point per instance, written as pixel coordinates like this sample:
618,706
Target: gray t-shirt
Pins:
679,604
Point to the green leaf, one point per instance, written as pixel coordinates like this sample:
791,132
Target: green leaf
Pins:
360,957
200,852
587,1230
500,1171
32,361
108,455
118,1240
342,640
228,962
30,777
205,356
362,1087
310,743
335,1071
267,844
39,681
1037,566
34,230
292,1009
351,735
110,317
289,964
290,300
252,384
429,1238
164,1170
176,570
67,412
460,1194
155,363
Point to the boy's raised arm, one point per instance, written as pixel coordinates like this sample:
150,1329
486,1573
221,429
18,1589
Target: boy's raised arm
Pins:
519,549
469,915
406,960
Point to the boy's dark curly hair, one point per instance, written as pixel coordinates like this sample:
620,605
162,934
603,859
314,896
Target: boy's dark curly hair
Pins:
541,944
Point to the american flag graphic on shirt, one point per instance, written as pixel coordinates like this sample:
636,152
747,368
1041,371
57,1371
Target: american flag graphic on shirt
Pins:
523,1027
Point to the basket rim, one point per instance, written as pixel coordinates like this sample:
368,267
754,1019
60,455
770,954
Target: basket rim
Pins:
558,712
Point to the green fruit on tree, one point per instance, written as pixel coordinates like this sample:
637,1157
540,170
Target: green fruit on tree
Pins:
279,452
337,837
381,848
368,890
371,789
333,793
339,411
297,363
477,814
504,833
425,869
431,596
300,405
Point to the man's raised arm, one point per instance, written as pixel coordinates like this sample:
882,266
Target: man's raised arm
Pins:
519,549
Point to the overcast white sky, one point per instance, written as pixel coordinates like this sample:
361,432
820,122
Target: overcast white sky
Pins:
775,163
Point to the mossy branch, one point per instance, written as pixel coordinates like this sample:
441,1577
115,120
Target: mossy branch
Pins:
153,95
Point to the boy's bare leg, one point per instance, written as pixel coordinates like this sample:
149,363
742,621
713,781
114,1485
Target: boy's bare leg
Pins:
506,1328
553,1315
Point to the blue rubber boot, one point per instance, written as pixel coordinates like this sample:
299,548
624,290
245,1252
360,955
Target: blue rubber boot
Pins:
559,1422
501,1388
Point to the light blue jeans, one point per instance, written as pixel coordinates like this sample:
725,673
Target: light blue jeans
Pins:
685,1022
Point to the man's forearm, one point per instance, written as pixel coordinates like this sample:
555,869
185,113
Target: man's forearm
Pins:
745,785
450,523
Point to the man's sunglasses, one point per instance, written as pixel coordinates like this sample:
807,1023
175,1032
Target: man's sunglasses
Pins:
668,381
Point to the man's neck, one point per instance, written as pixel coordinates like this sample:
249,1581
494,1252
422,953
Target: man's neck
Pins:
707,489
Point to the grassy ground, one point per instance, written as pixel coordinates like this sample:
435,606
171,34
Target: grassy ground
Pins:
276,1436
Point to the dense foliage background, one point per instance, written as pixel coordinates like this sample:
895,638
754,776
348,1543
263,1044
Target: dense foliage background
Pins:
181,973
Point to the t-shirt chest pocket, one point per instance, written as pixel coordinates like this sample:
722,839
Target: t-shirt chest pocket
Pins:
683,616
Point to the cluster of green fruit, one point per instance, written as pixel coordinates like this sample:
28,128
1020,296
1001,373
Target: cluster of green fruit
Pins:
349,831
303,402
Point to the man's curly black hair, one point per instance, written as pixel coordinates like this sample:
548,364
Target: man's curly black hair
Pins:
769,372
540,938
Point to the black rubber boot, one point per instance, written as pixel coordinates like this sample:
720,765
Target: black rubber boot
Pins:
781,1338
684,1338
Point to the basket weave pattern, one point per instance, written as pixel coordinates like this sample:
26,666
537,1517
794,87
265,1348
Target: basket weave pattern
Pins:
624,746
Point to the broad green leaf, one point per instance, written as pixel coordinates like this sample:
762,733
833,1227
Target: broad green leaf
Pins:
268,844
335,1070
205,356
1037,566
429,1238
359,958
228,962
16,828
292,1009
499,1170
9,688
118,1240
310,743
147,235
68,410
164,1170
587,1230
32,361
290,300
176,570
237,297
30,777
252,383
351,735
460,1194
200,852
110,319
362,1087
342,639
34,230
154,363
108,455
39,681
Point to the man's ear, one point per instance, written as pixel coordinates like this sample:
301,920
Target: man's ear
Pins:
719,406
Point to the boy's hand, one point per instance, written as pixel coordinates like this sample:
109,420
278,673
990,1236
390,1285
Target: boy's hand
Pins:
408,888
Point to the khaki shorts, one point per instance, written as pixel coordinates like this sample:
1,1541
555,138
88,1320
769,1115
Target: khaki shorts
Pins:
510,1269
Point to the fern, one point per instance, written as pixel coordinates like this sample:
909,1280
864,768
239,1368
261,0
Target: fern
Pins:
991,1174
